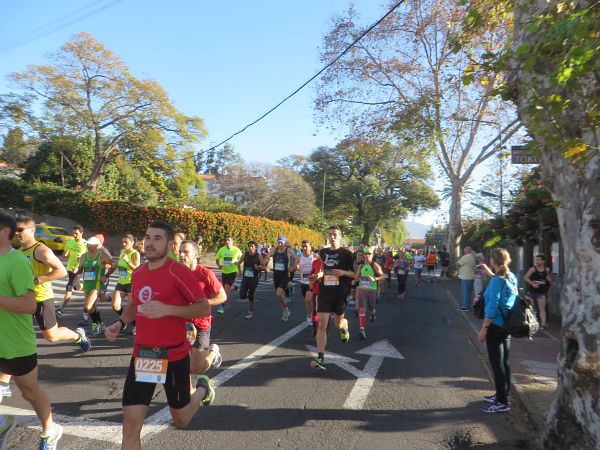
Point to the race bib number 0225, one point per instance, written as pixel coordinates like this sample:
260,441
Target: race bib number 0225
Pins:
151,365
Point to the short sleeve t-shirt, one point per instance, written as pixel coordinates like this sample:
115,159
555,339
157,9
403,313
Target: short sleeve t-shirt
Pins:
418,261
317,265
17,338
76,249
210,284
172,284
331,286
228,258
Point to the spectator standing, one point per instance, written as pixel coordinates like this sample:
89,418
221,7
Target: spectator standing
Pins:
466,273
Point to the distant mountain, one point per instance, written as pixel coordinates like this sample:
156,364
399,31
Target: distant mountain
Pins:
416,230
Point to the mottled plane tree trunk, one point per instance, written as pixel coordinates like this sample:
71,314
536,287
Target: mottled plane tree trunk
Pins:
555,78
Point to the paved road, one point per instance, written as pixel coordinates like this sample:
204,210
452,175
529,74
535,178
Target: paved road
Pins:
269,397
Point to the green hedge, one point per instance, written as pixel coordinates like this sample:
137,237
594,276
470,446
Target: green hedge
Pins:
116,217
47,199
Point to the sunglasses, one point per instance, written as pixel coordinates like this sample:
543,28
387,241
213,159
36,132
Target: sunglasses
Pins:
21,229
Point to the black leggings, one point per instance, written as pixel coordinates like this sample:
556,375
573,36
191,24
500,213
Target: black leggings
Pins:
402,283
248,287
498,346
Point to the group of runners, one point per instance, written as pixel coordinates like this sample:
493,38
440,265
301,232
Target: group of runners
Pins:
169,296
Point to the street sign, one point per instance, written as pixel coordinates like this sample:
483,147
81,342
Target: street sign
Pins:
438,237
521,155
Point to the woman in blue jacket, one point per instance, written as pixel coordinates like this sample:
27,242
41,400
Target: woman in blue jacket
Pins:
500,297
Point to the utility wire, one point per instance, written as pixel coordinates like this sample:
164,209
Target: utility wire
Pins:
55,25
327,66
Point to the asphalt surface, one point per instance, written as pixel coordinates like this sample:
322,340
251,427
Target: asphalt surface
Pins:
431,399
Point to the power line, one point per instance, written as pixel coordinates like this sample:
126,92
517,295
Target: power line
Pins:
303,85
55,25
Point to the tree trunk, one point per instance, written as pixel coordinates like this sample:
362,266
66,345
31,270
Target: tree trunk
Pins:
573,421
455,228
574,418
367,231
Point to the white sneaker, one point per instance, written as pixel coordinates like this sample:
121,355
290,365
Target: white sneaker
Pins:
50,442
218,358
286,314
309,320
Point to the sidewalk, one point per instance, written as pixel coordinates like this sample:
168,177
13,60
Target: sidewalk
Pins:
533,362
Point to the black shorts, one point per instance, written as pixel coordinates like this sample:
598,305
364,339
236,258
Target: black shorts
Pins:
228,278
17,367
177,386
336,305
305,288
430,268
126,288
292,275
281,280
72,277
45,314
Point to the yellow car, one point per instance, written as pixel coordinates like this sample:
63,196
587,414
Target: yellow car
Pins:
54,237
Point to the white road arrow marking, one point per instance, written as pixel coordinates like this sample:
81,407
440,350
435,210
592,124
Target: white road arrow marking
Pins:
362,387
366,377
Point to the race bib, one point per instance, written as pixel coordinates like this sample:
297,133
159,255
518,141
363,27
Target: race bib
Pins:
365,283
227,261
89,276
304,278
151,365
249,273
122,273
331,280
401,271
279,266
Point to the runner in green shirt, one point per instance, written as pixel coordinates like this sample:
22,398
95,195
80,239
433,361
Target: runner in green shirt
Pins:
227,259
18,357
74,248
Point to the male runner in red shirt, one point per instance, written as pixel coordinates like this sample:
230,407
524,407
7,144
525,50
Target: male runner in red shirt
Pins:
165,295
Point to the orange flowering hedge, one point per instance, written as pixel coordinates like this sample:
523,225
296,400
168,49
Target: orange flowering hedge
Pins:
117,217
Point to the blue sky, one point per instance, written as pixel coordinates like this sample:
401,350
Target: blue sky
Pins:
227,62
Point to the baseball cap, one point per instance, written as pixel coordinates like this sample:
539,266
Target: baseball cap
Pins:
367,251
281,239
93,241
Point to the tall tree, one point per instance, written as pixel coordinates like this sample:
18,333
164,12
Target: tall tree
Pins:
553,77
278,193
217,160
405,77
556,80
87,90
370,181
15,148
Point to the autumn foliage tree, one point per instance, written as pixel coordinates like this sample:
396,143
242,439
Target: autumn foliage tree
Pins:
87,90
406,79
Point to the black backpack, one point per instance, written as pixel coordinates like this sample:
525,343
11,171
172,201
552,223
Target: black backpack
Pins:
520,322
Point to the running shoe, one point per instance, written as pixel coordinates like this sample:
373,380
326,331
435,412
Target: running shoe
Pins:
218,357
496,408
463,309
362,334
5,391
345,335
50,442
59,312
220,309
83,341
96,329
204,382
286,314
249,315
318,363
309,320
8,426
292,290
84,322
402,296
489,398
373,317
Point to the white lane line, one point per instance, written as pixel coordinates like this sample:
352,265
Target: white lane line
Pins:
161,420
111,432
